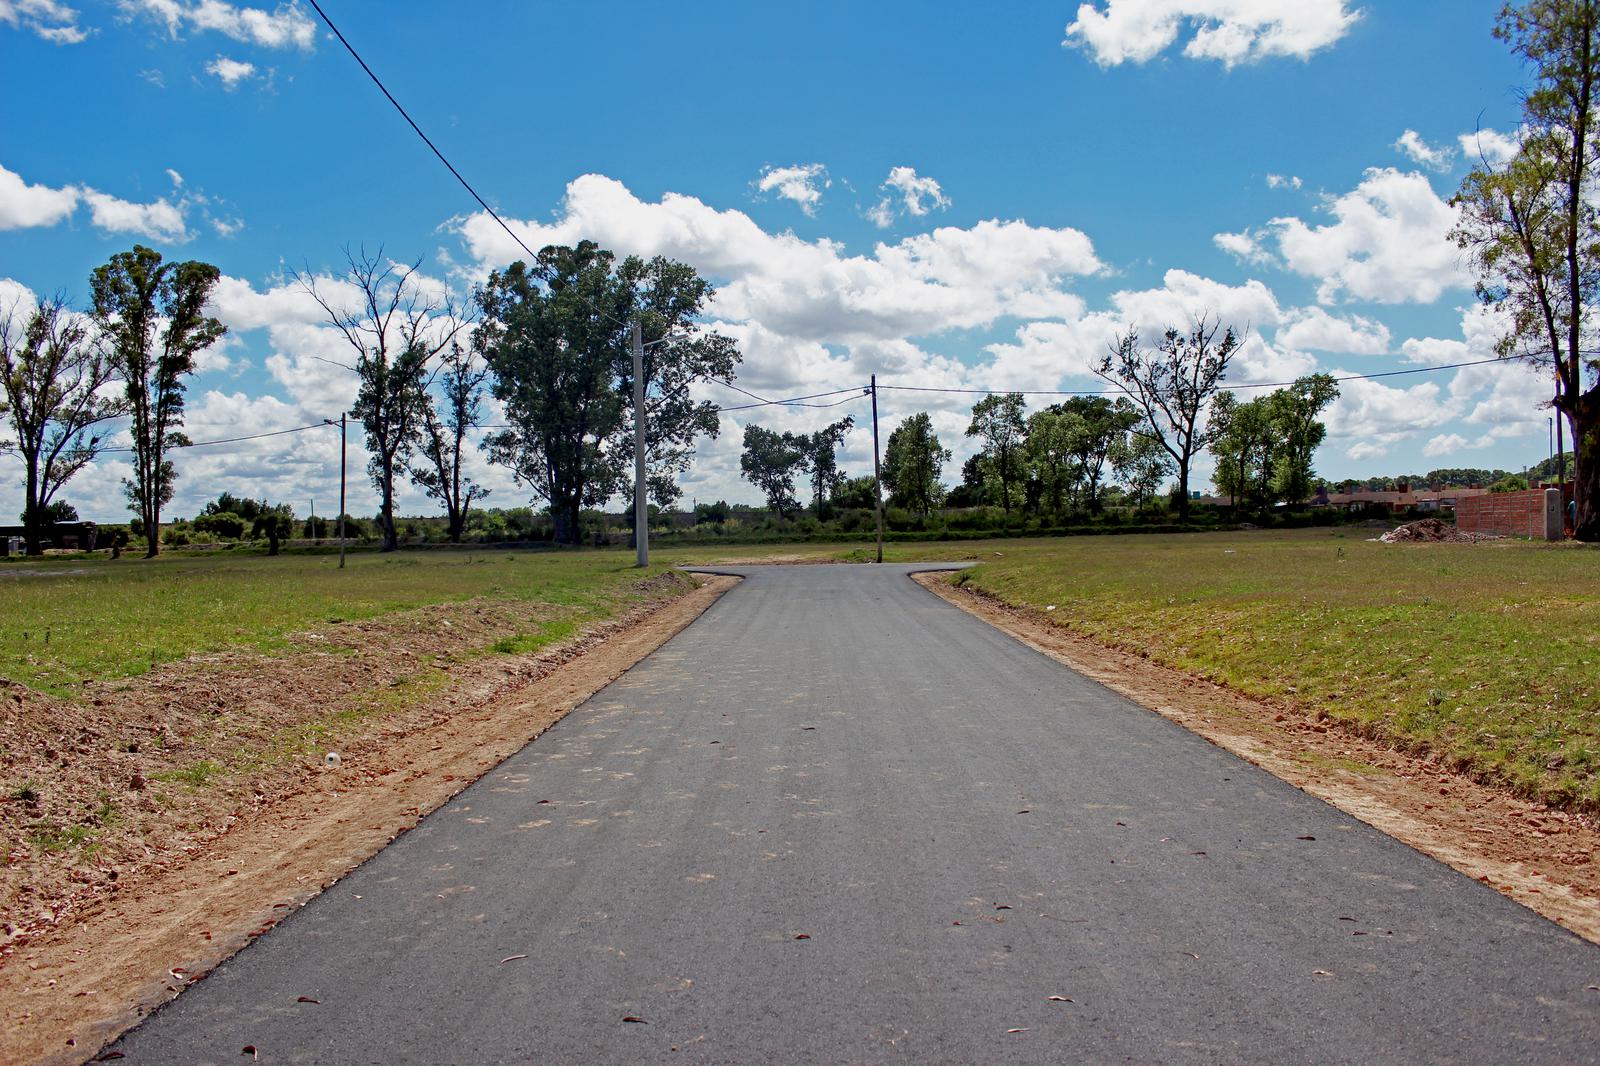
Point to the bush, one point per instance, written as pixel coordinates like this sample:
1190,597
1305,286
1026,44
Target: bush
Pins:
220,525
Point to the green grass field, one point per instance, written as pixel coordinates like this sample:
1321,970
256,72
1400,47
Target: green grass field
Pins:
72,620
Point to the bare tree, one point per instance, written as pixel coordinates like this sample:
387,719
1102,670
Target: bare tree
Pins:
445,425
1171,384
53,375
398,329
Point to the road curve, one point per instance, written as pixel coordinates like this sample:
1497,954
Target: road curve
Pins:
839,820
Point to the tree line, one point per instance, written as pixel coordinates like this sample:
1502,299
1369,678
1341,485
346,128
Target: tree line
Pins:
549,340
1058,460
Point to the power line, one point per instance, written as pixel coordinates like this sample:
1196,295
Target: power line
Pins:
229,440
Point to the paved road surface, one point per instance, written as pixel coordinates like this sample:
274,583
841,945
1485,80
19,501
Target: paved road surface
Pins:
838,820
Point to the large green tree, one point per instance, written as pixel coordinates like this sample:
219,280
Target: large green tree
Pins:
556,336
998,423
822,460
1296,415
151,316
912,463
1171,385
771,461
1244,443
395,326
52,374
1532,227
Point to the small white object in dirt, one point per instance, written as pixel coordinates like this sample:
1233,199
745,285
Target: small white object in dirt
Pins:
1050,607
332,760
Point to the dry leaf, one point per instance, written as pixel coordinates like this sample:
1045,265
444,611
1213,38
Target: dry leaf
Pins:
511,958
1016,1030
1192,955
802,936
1002,906
634,1020
1305,838
1059,999
1321,973
307,999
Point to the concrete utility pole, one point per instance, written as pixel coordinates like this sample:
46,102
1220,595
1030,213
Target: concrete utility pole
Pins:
641,506
329,422
877,477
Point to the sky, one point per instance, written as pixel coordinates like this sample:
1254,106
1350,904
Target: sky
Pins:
942,195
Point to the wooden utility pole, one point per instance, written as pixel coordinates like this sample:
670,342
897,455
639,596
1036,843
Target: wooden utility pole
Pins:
341,489
641,506
877,477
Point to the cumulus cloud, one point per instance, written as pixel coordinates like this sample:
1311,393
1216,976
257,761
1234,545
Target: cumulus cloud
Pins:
1444,444
1246,247
23,206
286,26
1314,328
1389,242
801,183
1438,158
48,20
230,72
1280,181
1228,31
906,193
1491,146
161,220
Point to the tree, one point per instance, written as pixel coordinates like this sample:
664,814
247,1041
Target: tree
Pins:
1294,412
228,503
1244,442
152,318
52,375
1093,423
912,463
1140,463
274,523
770,462
821,460
1170,386
445,425
1531,224
1049,452
556,336
398,327
667,298
997,421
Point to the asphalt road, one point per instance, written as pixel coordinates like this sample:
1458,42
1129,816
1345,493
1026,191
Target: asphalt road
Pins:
838,820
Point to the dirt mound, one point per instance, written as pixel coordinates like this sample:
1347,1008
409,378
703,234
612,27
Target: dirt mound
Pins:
1432,531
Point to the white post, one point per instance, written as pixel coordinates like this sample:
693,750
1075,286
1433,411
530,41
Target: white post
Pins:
641,506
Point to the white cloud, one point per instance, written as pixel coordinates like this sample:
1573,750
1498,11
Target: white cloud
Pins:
1246,247
23,206
1389,242
1314,328
1444,444
1279,181
49,20
1491,146
286,26
1438,158
160,221
230,71
907,193
1374,416
1229,31
175,178
799,183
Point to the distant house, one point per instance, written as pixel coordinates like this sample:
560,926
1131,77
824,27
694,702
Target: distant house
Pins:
73,536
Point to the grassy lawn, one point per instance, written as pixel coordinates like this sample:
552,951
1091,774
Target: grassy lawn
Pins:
68,621
1487,654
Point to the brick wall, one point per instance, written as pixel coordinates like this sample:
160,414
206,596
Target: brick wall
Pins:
1511,514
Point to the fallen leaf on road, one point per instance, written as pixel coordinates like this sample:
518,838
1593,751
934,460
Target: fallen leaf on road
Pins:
634,1020
802,936
511,958
110,1056
1059,999
307,999
1192,955
1002,906
1305,838
1321,973
1024,811
1016,1030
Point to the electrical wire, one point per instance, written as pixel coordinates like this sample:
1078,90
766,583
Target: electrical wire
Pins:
232,440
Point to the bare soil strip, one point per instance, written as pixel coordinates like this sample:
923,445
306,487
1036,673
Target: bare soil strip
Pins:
77,985
1543,858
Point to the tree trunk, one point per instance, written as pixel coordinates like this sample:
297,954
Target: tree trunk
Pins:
564,516
1586,465
391,539
32,518
1183,491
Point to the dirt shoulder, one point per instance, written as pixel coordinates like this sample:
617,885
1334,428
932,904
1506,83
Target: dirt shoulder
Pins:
1545,859
115,950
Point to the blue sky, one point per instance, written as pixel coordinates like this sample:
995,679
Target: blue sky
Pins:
954,197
